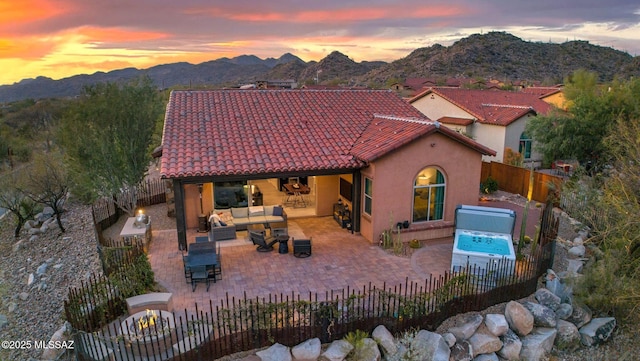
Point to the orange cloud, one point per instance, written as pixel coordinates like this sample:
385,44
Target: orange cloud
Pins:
27,11
115,35
25,48
342,15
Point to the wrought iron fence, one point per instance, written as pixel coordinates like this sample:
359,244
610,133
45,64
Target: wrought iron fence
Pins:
235,325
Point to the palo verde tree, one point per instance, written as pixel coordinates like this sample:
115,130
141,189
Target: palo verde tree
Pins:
106,137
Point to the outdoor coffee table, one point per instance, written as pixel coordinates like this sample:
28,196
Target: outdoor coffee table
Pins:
278,229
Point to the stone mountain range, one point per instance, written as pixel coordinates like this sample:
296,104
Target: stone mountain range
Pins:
495,55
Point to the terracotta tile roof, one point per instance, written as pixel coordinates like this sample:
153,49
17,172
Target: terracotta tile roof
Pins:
541,91
498,107
387,133
236,132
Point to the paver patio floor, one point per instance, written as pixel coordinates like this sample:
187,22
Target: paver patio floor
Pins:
340,260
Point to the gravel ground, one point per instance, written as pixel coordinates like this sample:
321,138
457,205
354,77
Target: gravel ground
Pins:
34,312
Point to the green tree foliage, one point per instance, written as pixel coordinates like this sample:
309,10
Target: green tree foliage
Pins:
107,135
592,114
611,283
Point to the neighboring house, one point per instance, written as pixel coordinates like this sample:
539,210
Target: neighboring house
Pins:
551,95
494,118
400,165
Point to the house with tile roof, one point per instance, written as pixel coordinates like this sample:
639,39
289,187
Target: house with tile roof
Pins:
398,164
552,95
494,118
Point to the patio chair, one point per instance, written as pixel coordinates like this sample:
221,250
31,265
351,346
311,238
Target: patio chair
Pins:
301,247
264,244
199,274
217,268
187,271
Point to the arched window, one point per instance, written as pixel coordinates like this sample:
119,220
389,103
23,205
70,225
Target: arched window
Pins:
525,146
428,195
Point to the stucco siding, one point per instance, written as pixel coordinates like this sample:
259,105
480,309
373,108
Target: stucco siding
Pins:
492,136
394,175
435,107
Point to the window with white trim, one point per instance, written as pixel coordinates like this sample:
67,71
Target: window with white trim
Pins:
428,195
368,194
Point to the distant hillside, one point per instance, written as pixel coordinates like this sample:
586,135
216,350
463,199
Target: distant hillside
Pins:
496,55
503,56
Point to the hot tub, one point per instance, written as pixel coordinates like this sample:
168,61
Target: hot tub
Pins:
478,249
483,239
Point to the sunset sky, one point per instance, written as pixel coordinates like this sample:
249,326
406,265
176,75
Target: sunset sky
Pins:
61,38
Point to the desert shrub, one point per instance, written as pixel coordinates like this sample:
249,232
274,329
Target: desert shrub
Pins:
489,185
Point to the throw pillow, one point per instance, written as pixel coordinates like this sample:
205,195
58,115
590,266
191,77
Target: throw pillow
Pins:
277,211
216,220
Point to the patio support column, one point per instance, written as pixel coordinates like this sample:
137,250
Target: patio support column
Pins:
357,201
178,189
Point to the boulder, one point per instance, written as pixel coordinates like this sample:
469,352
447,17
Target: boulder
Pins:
547,298
577,251
484,341
308,350
368,351
538,344
55,352
449,338
564,311
568,337
511,346
30,279
277,352
338,350
461,351
519,318
552,282
434,346
487,357
496,324
597,331
469,325
33,231
581,314
543,316
385,339
575,266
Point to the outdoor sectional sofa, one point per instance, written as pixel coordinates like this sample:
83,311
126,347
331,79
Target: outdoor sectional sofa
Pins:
237,219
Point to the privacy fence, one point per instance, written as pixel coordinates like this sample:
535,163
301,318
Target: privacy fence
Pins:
106,213
515,180
103,331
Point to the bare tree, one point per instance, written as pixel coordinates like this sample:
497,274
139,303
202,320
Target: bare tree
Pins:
14,200
48,184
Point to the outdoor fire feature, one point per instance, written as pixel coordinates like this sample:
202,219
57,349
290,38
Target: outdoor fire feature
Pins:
149,332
